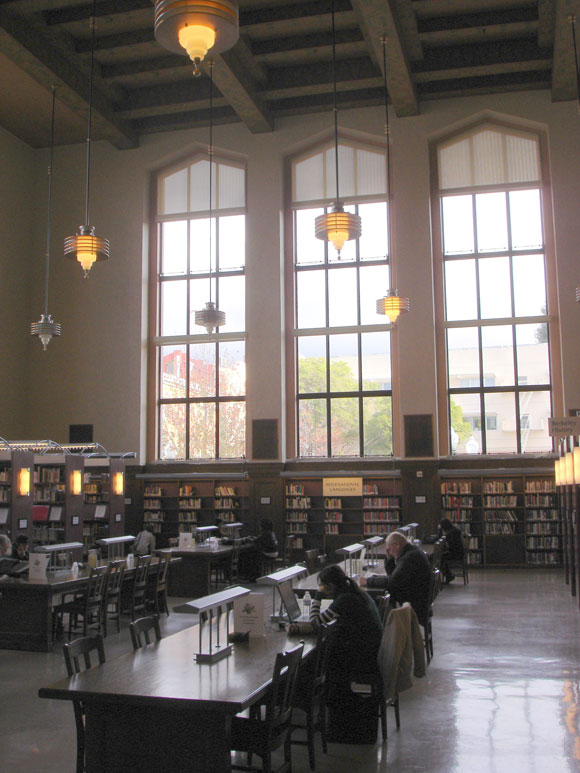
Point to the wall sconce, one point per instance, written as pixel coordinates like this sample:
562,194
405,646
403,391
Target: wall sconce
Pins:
569,468
24,482
118,483
557,472
577,466
76,480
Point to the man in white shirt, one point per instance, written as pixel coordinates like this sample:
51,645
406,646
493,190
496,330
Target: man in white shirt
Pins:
144,543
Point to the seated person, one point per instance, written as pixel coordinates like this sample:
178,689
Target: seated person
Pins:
20,547
408,575
5,545
453,547
265,545
144,543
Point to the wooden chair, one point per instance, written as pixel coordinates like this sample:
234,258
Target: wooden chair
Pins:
384,604
269,725
73,652
112,594
88,605
138,601
311,560
142,628
428,628
309,697
459,566
286,558
158,588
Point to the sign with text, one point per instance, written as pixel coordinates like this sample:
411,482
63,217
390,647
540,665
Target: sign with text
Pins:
342,487
249,614
563,426
37,564
185,540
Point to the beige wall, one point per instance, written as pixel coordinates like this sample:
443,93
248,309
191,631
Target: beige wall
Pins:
95,372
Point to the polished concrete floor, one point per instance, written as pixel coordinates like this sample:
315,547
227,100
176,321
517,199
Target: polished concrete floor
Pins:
502,693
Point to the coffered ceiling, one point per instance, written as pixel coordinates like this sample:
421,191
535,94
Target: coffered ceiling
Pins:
281,65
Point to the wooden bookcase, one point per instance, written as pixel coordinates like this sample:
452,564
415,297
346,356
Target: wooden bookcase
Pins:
512,518
57,509
104,503
15,508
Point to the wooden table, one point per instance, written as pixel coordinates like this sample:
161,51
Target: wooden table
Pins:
157,709
26,606
192,577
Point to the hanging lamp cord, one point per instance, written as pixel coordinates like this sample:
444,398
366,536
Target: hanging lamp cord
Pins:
572,20
210,154
48,209
88,188
335,109
388,143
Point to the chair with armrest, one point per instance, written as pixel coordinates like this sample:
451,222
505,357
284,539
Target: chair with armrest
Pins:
143,629
76,653
269,725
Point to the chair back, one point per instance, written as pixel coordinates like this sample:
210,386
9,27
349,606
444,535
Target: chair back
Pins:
385,605
114,580
73,651
139,590
235,561
288,548
434,586
279,705
437,554
311,560
142,631
162,572
94,593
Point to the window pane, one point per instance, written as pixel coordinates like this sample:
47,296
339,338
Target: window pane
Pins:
374,283
344,426
199,241
199,188
533,354
457,225
232,300
529,285
373,243
343,363
231,186
172,431
498,355
465,413
202,431
173,370
232,372
460,290
308,248
202,375
174,247
199,295
309,179
312,364
536,406
174,193
491,222
173,308
526,220
342,297
232,242
376,361
495,288
378,426
312,428
232,429
311,303
463,357
504,440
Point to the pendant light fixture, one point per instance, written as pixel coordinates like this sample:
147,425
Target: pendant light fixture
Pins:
337,226
85,246
194,27
210,317
391,305
45,329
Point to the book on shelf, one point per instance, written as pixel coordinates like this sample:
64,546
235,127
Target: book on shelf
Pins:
294,488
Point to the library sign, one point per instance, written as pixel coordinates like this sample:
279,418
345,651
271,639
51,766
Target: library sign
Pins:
342,487
564,426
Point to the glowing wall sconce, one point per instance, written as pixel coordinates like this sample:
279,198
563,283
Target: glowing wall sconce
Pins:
76,481
569,468
118,483
557,472
24,482
577,466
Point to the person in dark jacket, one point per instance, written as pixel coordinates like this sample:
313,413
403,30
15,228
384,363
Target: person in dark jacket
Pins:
408,575
453,547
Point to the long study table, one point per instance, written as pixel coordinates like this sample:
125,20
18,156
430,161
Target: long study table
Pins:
157,709
26,606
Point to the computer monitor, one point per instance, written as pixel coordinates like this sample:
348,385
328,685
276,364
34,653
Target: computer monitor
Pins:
290,601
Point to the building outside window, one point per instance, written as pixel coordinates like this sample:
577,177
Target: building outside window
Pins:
491,213
341,353
200,409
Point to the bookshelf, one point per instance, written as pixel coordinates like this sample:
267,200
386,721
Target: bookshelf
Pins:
15,508
58,499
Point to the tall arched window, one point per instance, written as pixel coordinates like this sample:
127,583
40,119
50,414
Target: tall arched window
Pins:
200,379
492,219
341,348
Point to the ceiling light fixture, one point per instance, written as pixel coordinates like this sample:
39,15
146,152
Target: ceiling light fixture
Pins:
392,305
195,27
337,226
45,329
85,246
210,317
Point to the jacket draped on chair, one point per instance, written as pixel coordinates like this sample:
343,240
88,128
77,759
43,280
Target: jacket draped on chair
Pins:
401,654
